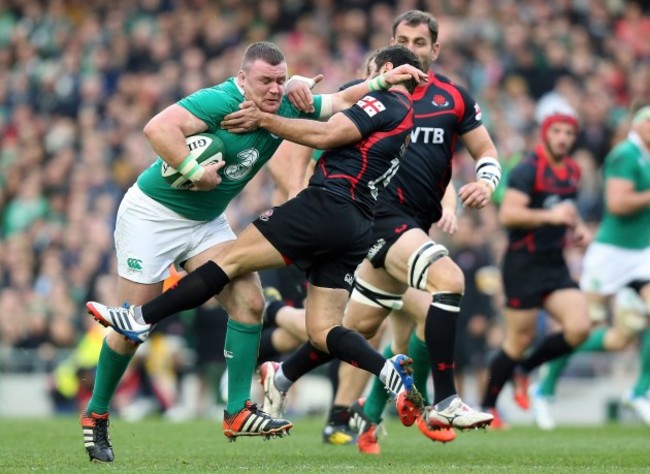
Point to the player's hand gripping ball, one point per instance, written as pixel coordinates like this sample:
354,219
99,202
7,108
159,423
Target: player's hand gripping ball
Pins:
206,148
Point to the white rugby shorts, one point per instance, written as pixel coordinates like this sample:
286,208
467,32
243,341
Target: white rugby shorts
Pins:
149,237
608,268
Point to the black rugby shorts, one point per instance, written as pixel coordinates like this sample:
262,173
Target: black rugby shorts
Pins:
389,225
529,278
320,232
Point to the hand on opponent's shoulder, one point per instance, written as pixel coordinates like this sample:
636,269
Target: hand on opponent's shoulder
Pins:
246,119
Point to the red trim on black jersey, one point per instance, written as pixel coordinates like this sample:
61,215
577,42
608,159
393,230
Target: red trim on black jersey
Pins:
321,163
433,114
404,98
458,110
365,145
459,105
563,171
400,195
421,89
528,241
559,179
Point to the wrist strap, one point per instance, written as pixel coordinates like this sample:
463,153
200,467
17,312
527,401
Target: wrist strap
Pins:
308,80
196,174
488,169
378,84
186,164
191,169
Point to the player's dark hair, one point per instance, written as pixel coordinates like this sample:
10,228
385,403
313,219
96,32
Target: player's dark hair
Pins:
265,51
398,55
368,59
415,18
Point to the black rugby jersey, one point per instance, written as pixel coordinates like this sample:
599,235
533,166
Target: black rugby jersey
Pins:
547,185
442,111
361,170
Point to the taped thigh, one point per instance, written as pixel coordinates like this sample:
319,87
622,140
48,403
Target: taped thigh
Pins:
365,293
419,262
597,313
629,311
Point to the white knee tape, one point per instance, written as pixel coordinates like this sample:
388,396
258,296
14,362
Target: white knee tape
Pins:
363,292
597,313
419,262
630,311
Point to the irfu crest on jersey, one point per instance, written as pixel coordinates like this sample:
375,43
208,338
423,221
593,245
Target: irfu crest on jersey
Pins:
244,165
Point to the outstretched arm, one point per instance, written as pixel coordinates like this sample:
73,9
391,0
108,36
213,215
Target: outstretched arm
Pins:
339,130
348,97
298,89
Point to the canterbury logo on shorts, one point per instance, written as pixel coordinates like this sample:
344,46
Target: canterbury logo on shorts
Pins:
134,264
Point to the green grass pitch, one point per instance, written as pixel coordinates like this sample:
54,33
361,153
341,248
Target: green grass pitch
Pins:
153,445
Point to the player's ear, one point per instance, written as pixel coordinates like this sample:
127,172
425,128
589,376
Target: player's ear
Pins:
435,51
386,67
241,77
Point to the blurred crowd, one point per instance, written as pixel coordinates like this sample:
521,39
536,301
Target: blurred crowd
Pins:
78,81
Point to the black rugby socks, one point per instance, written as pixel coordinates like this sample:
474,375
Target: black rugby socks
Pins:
190,292
551,347
305,359
501,369
352,347
267,350
440,337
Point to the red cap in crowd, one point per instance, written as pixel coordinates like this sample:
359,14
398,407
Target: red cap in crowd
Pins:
555,118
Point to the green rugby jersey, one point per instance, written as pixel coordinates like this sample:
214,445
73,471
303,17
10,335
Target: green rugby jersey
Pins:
627,161
245,153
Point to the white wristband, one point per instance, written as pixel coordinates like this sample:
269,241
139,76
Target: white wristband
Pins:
488,169
310,82
191,169
196,176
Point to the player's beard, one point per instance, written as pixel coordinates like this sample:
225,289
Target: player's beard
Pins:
555,154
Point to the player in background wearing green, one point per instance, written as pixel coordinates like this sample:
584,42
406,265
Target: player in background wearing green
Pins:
616,273
158,225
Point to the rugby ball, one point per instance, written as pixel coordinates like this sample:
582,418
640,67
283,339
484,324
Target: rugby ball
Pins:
206,148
